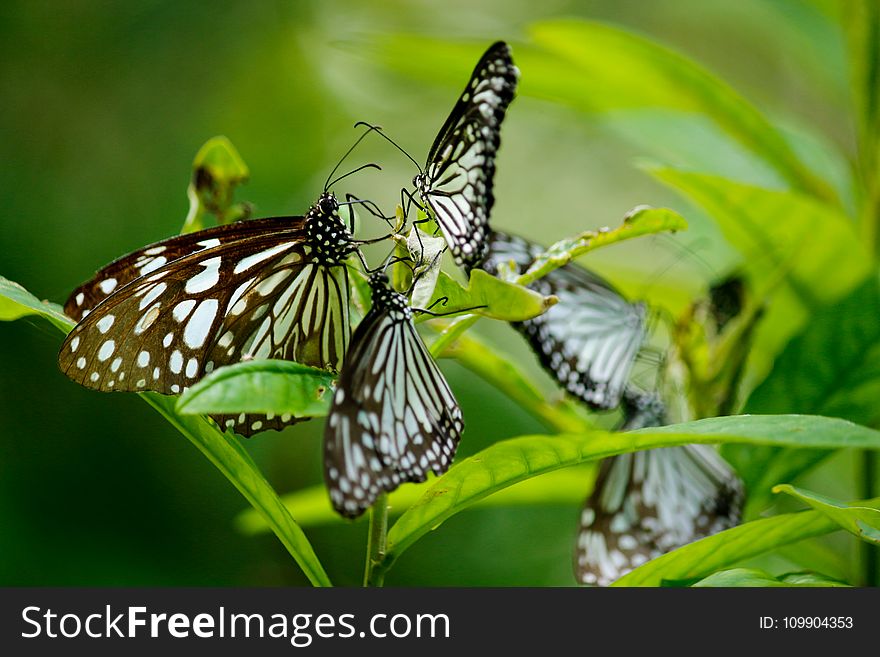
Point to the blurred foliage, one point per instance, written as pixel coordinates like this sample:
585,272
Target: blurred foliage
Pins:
768,129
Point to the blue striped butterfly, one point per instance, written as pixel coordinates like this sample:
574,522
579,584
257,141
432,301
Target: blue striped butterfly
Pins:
590,339
393,417
166,315
456,184
647,503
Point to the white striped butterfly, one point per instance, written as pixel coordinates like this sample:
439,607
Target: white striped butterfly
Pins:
645,504
456,183
166,315
590,339
393,417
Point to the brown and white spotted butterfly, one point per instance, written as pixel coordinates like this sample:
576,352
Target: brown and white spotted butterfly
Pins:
647,503
166,315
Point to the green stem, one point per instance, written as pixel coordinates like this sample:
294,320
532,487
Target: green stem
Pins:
868,486
374,575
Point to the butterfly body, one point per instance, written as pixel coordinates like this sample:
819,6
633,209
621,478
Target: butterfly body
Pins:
457,181
178,309
393,417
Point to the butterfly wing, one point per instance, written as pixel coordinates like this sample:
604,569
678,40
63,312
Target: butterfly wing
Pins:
589,340
648,503
124,270
645,504
254,298
393,417
460,170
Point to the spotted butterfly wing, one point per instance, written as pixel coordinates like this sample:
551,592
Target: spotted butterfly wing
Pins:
645,504
148,259
589,340
278,292
458,178
393,416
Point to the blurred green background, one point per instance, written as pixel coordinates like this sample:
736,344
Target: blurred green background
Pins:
104,106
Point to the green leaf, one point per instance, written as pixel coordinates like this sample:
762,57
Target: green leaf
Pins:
228,456
620,70
511,461
311,506
488,296
749,577
217,170
813,244
860,521
725,549
16,302
599,68
222,450
832,368
638,222
261,386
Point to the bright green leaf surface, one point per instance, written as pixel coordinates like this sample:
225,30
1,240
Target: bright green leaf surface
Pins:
621,70
510,461
311,506
262,386
223,450
499,299
802,238
748,577
832,368
640,221
860,521
725,549
16,302
228,456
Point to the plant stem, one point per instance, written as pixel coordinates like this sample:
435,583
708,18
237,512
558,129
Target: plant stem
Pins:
869,550
376,541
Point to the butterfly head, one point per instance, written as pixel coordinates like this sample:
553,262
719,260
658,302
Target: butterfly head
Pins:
326,232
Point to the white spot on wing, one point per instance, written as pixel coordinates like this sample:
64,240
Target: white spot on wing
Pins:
206,279
199,325
251,260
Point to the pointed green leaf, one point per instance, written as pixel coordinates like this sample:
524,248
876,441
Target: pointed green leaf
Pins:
488,296
621,70
16,302
638,222
860,521
311,506
261,386
732,546
749,577
511,461
832,368
223,450
813,244
228,456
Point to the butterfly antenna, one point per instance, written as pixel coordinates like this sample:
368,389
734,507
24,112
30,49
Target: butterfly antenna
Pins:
382,134
347,153
371,165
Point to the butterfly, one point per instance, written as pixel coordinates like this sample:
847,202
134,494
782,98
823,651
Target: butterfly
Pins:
647,503
590,339
456,183
168,314
393,417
